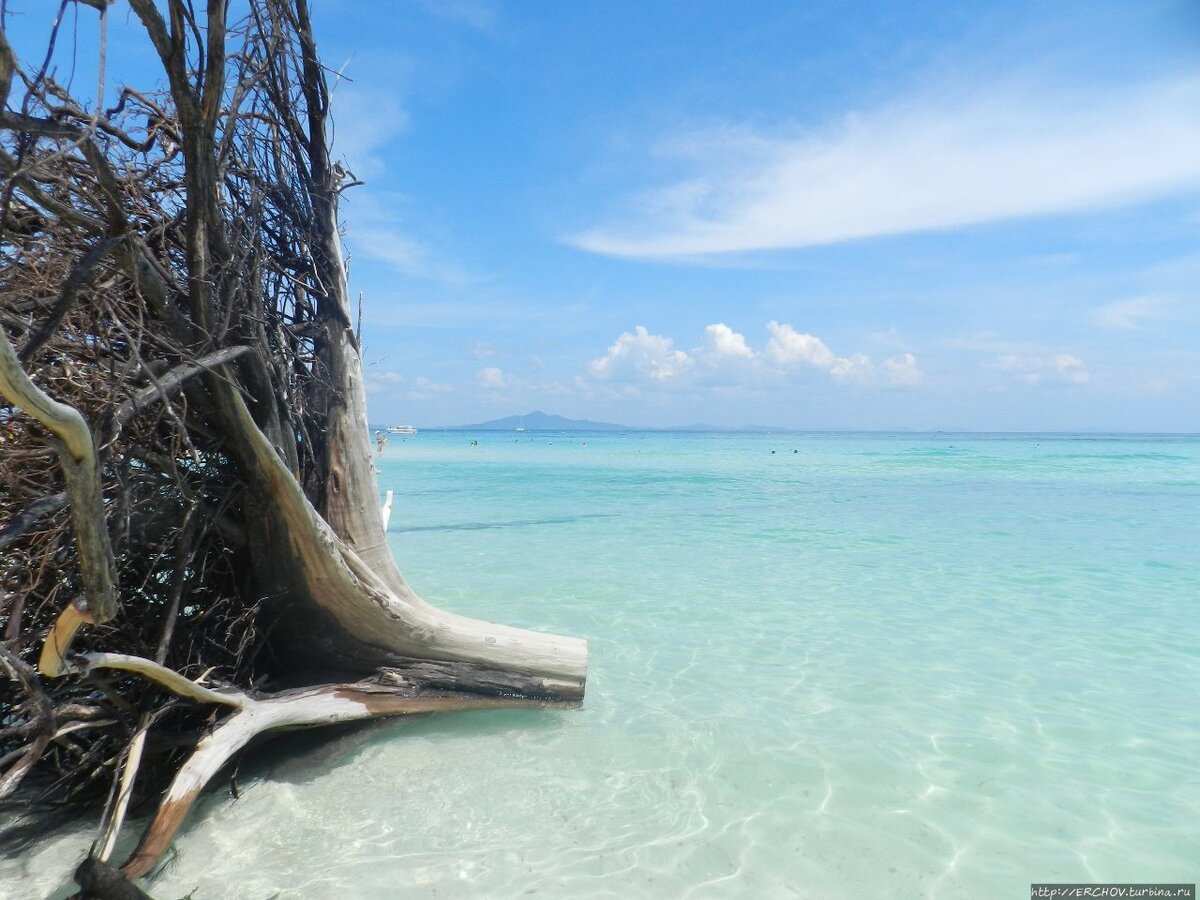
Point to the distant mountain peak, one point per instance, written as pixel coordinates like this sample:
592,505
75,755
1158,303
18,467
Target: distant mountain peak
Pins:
539,421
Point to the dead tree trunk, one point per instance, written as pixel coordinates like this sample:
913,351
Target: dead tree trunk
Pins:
178,357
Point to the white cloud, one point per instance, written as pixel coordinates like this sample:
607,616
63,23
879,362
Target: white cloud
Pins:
1069,368
640,356
492,378
788,347
365,122
383,382
725,361
379,232
396,384
1160,386
383,241
902,370
423,387
890,339
926,163
1058,368
471,13
852,368
722,342
1131,313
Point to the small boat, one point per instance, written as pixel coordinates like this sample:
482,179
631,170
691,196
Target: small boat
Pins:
519,428
401,429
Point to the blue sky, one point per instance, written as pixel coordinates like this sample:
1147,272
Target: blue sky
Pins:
822,215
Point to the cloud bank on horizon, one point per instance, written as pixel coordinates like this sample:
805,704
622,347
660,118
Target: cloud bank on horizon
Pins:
919,164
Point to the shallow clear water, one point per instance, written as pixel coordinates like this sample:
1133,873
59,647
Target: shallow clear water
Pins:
878,666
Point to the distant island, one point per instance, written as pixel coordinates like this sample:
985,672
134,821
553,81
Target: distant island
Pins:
540,421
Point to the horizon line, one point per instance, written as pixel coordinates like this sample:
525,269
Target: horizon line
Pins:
771,429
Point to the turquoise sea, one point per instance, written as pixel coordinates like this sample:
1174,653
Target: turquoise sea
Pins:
822,666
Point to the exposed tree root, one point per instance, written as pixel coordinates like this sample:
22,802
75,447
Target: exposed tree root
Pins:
330,704
188,506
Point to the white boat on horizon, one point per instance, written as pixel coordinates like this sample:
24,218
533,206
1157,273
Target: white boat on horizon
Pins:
401,429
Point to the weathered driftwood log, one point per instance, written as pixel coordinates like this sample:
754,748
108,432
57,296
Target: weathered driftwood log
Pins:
329,704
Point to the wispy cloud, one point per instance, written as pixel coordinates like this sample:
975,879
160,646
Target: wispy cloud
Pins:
481,350
474,14
492,378
425,387
386,243
395,384
1131,313
365,121
384,382
378,229
1059,368
929,162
